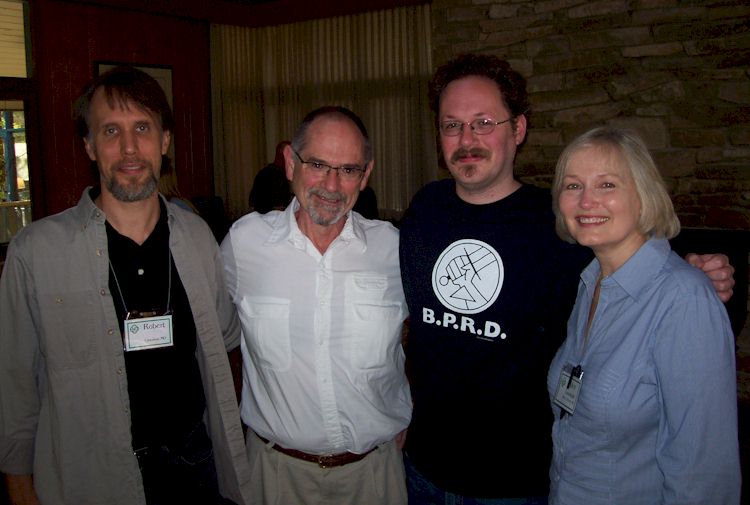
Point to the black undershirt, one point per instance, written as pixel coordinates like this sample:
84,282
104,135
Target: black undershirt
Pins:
164,384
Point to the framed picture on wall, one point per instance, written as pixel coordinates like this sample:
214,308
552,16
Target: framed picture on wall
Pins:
162,74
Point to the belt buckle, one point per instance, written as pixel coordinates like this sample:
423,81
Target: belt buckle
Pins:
325,461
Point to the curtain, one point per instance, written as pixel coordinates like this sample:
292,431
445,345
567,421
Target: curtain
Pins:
264,81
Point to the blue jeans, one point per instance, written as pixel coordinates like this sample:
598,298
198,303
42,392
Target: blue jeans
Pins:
423,492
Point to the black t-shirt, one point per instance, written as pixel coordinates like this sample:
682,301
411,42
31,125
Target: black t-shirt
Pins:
489,288
164,384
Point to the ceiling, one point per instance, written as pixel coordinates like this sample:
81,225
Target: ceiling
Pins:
253,12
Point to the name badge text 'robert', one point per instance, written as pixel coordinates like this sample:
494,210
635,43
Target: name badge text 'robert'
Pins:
148,333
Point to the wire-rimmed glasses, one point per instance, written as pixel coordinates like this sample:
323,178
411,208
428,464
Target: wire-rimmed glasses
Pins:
347,172
480,126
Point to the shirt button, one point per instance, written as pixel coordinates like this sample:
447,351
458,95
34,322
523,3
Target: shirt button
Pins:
110,331
98,252
119,371
103,292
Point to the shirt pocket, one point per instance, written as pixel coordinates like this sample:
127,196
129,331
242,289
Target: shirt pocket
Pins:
376,335
374,322
68,332
265,323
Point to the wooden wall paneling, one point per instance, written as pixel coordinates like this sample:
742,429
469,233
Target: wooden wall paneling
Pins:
68,38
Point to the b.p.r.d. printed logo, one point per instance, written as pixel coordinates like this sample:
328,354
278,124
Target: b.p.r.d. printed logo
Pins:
468,276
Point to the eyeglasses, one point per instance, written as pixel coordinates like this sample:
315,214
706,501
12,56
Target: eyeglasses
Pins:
481,126
346,172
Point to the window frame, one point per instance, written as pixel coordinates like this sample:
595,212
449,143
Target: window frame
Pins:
21,89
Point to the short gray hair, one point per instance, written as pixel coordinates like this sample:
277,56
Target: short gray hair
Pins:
299,140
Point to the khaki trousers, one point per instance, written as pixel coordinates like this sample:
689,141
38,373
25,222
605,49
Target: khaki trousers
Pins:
278,479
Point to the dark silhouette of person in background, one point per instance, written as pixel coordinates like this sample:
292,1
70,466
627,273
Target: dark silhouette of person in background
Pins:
270,189
367,204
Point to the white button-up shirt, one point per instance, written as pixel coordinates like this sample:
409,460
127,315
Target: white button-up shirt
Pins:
323,366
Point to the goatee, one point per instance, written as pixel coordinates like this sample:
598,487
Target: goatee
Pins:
322,216
134,192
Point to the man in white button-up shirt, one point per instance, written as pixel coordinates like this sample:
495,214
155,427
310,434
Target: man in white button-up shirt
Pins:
318,289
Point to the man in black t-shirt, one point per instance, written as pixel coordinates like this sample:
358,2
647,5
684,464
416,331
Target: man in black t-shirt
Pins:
489,287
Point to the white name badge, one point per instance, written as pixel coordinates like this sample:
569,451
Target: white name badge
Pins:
568,389
148,333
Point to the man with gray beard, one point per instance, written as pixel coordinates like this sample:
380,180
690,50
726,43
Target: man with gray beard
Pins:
115,385
318,290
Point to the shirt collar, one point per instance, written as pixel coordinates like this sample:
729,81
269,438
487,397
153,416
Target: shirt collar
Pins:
637,272
88,211
285,227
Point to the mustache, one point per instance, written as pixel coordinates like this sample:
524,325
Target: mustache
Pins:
328,195
129,161
476,152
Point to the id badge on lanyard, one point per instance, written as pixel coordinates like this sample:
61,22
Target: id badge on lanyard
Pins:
568,389
147,330
142,333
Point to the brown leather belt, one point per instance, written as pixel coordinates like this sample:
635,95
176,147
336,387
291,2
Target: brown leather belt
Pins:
324,460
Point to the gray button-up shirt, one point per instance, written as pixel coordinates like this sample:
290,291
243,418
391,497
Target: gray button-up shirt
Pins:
64,406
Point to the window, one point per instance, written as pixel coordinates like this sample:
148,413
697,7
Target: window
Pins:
15,98
15,193
12,39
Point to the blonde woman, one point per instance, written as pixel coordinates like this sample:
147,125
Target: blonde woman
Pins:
643,389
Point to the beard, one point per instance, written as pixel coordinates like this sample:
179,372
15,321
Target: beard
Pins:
134,191
321,214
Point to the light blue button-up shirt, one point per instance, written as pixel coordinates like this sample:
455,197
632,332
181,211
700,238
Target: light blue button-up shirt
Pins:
656,418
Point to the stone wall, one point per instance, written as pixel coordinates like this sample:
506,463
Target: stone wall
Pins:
676,71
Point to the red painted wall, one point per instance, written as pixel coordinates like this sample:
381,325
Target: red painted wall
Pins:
67,40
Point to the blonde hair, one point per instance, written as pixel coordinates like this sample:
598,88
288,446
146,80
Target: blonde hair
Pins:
168,184
658,217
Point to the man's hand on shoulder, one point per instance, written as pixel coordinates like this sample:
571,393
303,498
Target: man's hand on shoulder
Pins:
718,270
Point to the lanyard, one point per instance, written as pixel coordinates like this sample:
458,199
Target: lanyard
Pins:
169,285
